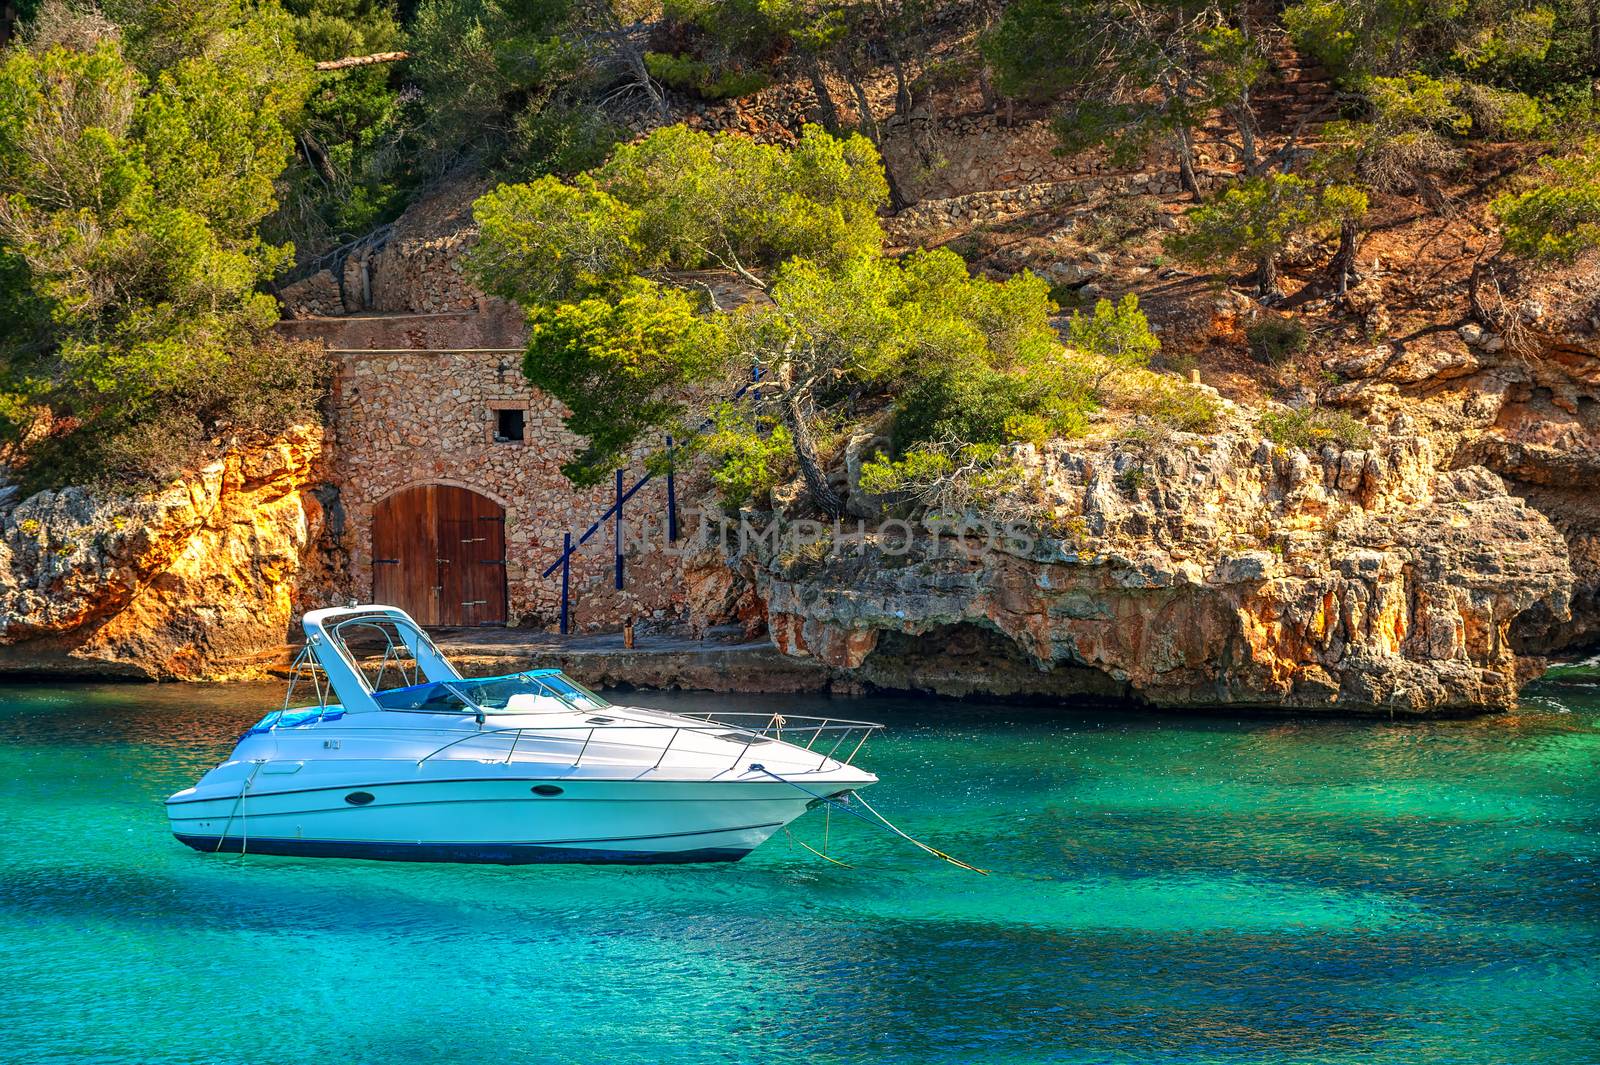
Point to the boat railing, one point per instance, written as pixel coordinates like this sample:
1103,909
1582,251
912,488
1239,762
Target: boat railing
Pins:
763,728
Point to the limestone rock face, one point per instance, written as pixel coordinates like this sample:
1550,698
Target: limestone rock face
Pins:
198,582
1210,570
1529,411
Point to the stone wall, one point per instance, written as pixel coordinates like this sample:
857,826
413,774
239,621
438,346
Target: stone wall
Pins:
406,413
960,155
928,219
412,266
418,275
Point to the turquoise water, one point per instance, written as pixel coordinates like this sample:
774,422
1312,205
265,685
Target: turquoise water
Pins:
1164,890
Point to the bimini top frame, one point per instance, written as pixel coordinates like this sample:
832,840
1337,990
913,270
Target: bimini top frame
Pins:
328,632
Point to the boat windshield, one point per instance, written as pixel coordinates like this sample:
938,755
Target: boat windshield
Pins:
540,691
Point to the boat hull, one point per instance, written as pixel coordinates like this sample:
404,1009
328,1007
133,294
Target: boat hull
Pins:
468,853
498,820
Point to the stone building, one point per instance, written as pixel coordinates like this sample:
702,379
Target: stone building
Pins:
448,463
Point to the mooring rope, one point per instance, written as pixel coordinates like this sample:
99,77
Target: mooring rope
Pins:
853,812
813,850
238,804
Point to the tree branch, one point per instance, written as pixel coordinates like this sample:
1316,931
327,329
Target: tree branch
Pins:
351,61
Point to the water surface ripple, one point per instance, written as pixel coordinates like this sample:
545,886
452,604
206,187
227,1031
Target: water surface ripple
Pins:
1165,890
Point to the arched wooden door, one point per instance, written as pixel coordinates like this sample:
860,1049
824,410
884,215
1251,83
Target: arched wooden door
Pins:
439,553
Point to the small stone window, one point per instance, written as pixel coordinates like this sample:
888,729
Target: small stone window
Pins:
510,425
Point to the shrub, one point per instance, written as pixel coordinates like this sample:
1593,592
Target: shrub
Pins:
747,464
1311,427
129,250
1255,218
1116,332
699,78
751,29
1502,114
562,138
1276,340
1068,297
261,388
978,404
953,479
1560,218
1120,219
1167,401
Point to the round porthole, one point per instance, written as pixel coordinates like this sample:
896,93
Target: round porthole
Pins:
546,789
358,798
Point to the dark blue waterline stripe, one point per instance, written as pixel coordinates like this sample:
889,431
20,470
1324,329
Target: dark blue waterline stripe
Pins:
551,842
476,853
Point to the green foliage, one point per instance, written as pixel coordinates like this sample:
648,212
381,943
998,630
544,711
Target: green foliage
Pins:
1130,73
1255,218
950,479
1116,332
984,364
1173,403
350,174
1417,101
622,365
565,136
708,200
747,459
1031,51
921,465
263,387
497,82
1559,219
1276,340
1503,114
548,240
687,74
1494,68
1359,38
1337,32
679,199
1311,427
983,405
128,243
748,29
599,262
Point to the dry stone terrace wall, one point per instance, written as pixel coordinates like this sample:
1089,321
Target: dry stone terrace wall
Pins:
416,275
931,218
405,413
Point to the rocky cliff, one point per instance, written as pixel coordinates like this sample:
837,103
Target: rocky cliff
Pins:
197,582
1204,571
1523,402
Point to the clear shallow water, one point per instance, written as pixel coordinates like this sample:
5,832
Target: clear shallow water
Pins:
1165,890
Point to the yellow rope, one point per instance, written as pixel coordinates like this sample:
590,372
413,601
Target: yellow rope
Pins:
935,851
814,850
890,825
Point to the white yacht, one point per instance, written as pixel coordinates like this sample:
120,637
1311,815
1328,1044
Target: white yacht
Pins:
529,767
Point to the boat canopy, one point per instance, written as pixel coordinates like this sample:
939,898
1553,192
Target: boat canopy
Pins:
427,683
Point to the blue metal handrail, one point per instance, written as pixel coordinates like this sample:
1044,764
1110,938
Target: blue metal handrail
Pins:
564,561
623,497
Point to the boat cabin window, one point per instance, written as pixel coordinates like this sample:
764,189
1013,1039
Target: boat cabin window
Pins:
520,693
